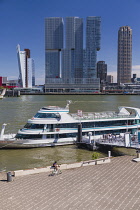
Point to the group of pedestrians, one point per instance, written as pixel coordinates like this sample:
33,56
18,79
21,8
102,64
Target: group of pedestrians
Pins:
112,138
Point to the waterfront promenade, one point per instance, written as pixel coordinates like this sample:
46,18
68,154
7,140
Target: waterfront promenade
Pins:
111,186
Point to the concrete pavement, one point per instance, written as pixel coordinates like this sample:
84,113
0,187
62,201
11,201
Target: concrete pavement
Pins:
111,186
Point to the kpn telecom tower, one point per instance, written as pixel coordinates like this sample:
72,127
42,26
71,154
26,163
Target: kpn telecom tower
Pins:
26,68
68,65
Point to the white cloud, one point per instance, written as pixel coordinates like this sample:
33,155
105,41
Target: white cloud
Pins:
12,78
40,79
136,70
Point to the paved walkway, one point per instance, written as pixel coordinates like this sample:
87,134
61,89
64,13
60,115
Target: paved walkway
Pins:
111,186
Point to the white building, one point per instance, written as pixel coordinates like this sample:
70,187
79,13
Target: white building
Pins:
31,73
26,69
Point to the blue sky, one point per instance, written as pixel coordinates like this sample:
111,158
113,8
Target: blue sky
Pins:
22,22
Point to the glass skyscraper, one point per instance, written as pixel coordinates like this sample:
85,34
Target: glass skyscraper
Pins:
124,55
70,66
53,46
93,37
72,59
26,68
102,71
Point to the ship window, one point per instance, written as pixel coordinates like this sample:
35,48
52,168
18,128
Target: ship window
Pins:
92,124
34,126
28,125
28,136
50,136
66,135
67,125
47,115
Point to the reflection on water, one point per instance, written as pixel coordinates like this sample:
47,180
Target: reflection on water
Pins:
16,111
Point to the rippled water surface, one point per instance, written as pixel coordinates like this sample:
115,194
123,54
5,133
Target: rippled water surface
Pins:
16,111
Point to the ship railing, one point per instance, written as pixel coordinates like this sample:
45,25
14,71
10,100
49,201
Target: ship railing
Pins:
118,141
55,108
101,116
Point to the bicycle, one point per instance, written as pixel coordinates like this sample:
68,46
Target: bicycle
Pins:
55,172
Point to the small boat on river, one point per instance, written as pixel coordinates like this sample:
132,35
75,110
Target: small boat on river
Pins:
53,126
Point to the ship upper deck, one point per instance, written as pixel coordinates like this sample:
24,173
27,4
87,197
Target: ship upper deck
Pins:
101,115
54,109
123,112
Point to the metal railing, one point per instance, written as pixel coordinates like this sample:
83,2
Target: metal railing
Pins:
95,116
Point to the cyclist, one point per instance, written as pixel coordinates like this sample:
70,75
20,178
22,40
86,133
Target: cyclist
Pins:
55,165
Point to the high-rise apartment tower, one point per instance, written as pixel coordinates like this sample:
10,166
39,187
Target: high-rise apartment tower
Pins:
102,71
53,46
26,68
69,67
26,73
74,42
124,67
93,37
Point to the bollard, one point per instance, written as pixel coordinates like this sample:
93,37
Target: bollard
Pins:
9,177
138,153
18,93
109,154
79,139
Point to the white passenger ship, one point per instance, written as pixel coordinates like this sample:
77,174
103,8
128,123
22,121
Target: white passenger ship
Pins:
53,125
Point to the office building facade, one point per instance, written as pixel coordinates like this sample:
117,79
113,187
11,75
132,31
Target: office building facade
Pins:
53,47
69,66
74,44
26,68
31,72
26,63
109,79
93,37
124,67
102,71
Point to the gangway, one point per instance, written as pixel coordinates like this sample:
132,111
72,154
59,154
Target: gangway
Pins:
126,141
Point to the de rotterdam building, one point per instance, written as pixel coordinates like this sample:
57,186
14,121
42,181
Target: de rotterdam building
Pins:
68,65
72,59
53,47
93,37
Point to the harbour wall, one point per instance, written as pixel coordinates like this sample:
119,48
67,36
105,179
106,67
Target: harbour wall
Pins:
75,93
63,166
12,93
15,93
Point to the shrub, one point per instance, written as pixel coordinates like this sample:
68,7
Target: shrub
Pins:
95,155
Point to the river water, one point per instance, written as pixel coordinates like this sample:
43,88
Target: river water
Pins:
15,111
